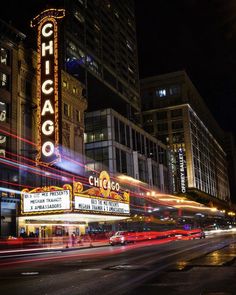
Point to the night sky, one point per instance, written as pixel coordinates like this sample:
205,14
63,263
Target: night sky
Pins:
198,36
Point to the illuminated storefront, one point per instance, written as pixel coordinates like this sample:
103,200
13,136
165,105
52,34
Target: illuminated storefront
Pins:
52,211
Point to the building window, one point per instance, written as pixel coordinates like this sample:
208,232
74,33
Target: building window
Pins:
123,162
77,113
4,81
148,119
176,113
161,92
66,110
74,90
178,137
174,90
65,84
116,123
177,125
28,88
3,111
128,136
118,163
100,155
161,115
142,167
162,127
4,56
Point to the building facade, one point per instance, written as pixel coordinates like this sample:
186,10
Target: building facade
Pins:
175,113
9,174
114,143
20,125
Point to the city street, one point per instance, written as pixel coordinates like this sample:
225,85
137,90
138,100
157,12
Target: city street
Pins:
156,267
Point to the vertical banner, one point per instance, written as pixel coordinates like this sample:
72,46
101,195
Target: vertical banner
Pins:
48,81
182,170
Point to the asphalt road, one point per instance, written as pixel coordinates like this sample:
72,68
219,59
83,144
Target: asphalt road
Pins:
106,270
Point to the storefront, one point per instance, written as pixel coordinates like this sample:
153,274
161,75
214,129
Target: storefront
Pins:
57,211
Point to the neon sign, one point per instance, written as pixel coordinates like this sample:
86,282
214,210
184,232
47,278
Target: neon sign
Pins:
48,79
182,171
104,183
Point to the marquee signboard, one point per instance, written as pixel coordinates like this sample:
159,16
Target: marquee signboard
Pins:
104,196
101,206
48,79
46,200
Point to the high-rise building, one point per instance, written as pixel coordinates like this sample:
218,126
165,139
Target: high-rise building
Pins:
174,112
101,50
230,148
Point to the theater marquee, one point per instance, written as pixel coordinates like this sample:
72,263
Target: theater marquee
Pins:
48,79
103,197
46,200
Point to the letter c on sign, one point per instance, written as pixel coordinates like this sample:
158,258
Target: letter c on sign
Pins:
91,180
48,149
47,30
45,88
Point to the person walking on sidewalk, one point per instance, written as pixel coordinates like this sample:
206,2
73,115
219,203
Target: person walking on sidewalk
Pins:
73,239
66,240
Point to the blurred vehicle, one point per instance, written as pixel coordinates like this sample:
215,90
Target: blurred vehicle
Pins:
190,234
123,237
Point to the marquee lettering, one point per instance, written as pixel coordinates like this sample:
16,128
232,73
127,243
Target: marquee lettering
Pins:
47,84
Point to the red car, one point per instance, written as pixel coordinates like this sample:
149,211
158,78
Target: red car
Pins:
190,234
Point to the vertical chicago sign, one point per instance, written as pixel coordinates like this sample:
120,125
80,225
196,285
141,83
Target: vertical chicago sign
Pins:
48,82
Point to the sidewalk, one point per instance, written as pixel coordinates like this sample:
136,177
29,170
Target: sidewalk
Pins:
56,247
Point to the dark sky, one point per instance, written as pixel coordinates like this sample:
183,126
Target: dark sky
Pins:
198,36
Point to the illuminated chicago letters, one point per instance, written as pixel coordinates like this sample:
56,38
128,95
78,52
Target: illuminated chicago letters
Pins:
48,77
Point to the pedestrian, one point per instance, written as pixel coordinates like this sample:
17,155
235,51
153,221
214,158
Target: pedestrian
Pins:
66,240
73,239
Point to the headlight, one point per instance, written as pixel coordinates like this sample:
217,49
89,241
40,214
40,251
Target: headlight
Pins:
122,239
